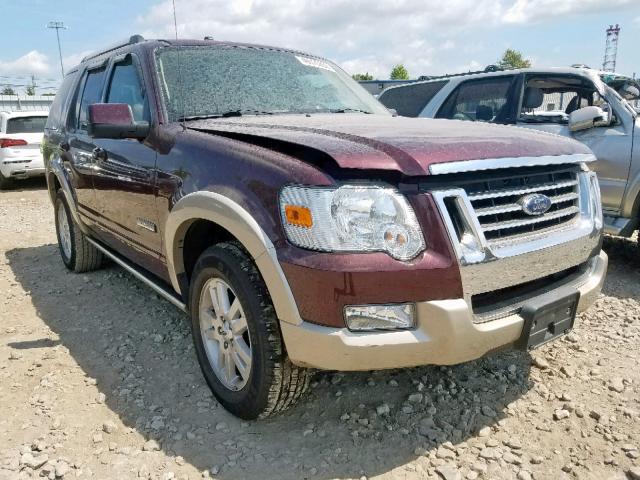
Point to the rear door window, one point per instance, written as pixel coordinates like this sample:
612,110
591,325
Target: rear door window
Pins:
410,100
126,87
91,93
26,124
484,100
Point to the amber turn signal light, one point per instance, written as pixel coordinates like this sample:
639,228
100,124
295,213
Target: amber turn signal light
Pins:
299,216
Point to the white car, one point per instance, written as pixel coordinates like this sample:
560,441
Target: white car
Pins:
20,138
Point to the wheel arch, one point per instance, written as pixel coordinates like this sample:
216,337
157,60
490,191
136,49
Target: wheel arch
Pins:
231,221
57,180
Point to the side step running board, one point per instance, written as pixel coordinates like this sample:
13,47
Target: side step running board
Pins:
141,275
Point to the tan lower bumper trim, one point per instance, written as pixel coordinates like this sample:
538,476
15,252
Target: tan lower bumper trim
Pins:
445,335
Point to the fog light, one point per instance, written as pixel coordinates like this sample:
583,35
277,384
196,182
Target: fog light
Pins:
380,317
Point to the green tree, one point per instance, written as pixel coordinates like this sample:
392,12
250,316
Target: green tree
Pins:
362,76
31,90
399,72
8,91
513,59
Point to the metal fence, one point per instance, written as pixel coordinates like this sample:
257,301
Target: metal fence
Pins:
15,103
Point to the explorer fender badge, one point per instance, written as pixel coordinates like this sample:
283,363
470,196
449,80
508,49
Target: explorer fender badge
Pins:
535,204
146,224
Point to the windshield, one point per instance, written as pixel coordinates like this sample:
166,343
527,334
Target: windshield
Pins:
218,80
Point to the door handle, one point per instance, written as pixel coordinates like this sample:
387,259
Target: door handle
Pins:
99,154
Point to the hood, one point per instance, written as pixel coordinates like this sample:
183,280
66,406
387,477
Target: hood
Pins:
380,142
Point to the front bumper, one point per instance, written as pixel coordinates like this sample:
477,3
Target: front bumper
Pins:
445,335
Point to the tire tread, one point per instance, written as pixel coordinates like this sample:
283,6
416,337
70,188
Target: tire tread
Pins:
288,382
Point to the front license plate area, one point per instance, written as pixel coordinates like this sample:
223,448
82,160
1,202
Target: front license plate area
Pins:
546,320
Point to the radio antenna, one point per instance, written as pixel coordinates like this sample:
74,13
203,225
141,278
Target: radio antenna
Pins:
175,27
175,22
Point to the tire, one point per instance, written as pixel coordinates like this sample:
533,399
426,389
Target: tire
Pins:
78,255
269,383
5,183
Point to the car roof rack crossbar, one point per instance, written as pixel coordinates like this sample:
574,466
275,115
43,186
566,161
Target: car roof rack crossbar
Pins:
488,69
132,40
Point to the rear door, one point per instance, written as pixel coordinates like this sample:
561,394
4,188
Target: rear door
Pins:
79,147
124,178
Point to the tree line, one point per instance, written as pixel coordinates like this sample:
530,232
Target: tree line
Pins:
510,59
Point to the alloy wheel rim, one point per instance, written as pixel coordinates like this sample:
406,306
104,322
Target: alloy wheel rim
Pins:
65,232
223,326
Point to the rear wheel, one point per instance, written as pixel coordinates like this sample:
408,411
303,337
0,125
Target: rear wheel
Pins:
77,253
237,338
5,182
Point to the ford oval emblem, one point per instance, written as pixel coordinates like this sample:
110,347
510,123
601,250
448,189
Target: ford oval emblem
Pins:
535,204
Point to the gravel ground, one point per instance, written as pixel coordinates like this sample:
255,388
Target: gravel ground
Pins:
98,379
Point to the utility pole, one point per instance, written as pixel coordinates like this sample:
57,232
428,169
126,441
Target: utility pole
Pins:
58,26
31,89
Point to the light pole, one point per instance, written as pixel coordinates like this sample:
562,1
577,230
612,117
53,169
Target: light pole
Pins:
58,26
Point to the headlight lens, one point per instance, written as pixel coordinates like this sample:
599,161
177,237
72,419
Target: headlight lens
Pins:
351,219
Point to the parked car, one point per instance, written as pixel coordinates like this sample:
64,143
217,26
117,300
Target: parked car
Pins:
572,102
20,137
302,226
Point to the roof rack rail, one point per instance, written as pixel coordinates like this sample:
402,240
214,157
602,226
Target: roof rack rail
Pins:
132,39
488,69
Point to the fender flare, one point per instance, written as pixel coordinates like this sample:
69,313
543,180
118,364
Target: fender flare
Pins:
58,171
238,222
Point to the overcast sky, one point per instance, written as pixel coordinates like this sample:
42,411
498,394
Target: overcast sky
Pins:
428,37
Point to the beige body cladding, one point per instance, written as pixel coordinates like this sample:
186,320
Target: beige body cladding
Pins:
237,221
446,332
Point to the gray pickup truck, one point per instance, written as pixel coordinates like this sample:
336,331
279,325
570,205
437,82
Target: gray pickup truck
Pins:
573,102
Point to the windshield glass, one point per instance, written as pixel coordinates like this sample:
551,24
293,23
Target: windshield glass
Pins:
26,124
217,80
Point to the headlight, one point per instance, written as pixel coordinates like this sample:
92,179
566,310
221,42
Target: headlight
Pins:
351,219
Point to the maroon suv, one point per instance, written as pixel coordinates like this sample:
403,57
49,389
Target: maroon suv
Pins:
303,226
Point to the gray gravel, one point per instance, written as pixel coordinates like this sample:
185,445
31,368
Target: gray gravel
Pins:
99,380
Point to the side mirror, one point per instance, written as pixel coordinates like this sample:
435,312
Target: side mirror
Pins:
115,120
629,92
588,117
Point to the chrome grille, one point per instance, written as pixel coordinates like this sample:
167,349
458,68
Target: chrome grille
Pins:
501,217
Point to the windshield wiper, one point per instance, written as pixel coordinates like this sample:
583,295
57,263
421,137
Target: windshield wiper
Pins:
230,113
345,110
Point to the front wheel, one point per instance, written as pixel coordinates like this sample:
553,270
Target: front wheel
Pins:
237,338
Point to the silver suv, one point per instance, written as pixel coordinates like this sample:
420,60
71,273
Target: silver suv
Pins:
573,102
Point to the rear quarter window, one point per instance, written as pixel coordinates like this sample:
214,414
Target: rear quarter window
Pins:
26,124
410,100
57,110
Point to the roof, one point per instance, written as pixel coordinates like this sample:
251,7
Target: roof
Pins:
24,113
184,42
582,72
